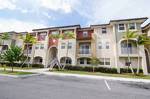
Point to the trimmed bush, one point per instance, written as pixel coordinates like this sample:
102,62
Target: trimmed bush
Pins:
90,69
98,69
37,65
126,70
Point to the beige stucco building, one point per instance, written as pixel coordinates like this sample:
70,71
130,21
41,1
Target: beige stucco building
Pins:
104,41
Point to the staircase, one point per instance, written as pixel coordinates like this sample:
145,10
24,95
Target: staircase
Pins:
54,62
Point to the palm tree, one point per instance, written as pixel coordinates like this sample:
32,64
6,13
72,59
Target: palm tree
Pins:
129,35
12,55
94,62
28,39
67,35
142,40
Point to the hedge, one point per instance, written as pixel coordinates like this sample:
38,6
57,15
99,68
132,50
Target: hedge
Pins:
99,69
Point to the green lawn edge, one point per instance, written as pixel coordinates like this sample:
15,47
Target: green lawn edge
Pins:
125,75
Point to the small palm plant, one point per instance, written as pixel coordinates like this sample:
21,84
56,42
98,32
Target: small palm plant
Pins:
129,35
94,62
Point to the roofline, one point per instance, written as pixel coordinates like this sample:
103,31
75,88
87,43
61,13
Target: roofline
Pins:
146,26
68,26
99,25
142,18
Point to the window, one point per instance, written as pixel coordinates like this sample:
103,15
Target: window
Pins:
107,61
63,45
104,30
85,34
69,45
121,27
40,60
81,61
42,46
85,48
100,45
37,46
102,61
132,26
107,45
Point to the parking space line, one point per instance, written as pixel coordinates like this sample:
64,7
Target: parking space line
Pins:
106,83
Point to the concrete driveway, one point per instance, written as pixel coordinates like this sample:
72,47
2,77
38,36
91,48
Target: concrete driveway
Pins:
55,87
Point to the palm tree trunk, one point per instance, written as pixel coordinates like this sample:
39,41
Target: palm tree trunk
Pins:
137,72
129,60
27,56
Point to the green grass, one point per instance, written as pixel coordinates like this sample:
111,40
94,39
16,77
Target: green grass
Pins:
24,68
14,72
125,75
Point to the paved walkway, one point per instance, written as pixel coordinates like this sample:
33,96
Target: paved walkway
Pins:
45,71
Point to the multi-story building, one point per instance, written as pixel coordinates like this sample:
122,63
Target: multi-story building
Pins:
104,41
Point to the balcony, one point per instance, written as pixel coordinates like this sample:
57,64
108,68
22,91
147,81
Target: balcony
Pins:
84,52
132,51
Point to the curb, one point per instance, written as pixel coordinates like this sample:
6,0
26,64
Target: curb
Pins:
19,76
98,77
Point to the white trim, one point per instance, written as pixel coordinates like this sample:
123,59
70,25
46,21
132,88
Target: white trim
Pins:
124,28
134,25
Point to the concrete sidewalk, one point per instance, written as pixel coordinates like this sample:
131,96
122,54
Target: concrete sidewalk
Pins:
46,71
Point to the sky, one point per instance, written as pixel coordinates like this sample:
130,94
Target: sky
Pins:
25,15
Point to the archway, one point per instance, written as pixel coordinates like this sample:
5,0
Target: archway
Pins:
66,60
52,54
147,60
37,60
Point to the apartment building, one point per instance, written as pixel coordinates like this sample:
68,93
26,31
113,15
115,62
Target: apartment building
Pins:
103,41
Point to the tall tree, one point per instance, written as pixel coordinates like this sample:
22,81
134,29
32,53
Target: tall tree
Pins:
129,36
94,62
12,55
142,40
28,39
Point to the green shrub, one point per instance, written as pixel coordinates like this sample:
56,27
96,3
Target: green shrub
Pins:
37,65
90,69
126,70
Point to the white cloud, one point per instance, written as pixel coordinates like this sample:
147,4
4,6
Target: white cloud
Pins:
19,26
56,5
7,4
47,15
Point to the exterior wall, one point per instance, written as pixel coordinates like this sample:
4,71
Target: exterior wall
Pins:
71,52
108,37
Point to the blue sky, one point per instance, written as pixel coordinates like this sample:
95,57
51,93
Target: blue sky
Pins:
25,15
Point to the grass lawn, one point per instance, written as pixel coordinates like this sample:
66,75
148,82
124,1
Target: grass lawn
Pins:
15,72
24,68
125,75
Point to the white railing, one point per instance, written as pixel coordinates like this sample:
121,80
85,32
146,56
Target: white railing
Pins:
132,50
29,51
84,52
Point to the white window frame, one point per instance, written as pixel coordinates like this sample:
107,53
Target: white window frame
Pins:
37,46
107,44
69,45
63,44
104,30
105,61
124,28
134,25
100,44
41,46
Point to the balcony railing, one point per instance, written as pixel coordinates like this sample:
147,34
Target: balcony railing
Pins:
29,51
84,52
132,50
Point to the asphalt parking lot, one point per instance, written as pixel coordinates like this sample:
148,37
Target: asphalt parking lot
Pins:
55,87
